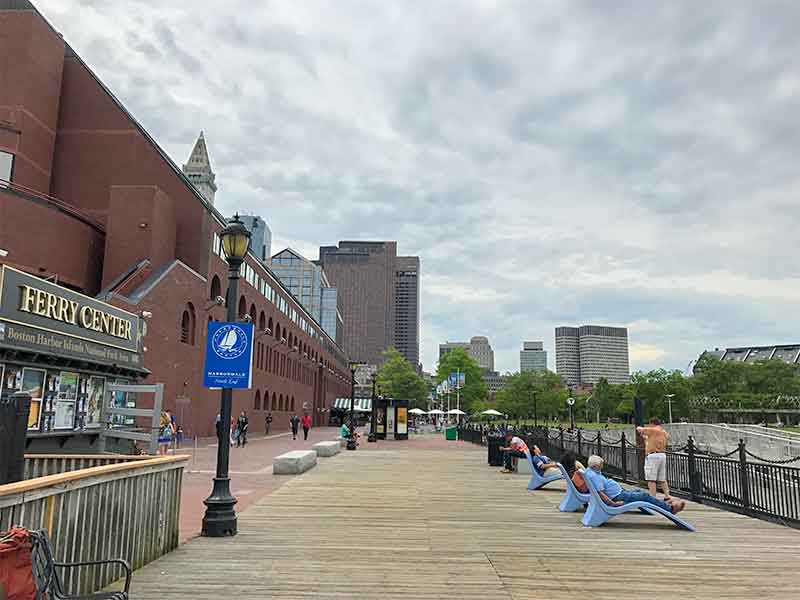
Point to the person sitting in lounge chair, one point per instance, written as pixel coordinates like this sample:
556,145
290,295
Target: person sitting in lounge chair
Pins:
573,467
543,464
515,448
613,494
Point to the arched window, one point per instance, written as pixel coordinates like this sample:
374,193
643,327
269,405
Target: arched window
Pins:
269,325
292,403
262,322
280,402
253,314
277,331
257,402
216,288
242,307
187,325
274,403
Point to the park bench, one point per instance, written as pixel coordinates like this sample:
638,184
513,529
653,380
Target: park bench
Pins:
294,462
324,449
46,572
538,480
599,512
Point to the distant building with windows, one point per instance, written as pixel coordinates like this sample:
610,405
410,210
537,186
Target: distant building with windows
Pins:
198,170
307,282
533,357
586,354
260,236
406,298
788,353
478,348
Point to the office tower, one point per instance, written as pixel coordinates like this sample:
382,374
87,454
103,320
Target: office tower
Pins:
260,236
533,357
307,282
450,346
366,275
406,338
481,351
588,353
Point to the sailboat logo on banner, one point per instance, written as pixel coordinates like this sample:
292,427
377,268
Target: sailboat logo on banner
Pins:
229,342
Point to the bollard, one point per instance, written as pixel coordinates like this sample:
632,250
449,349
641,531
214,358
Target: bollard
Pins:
744,481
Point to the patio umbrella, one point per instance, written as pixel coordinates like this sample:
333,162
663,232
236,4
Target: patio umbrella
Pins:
416,411
435,411
492,412
455,411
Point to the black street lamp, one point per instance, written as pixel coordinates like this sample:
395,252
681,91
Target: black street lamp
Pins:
220,517
372,437
570,403
532,392
351,442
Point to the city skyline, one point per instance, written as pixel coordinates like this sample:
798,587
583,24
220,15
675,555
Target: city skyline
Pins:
617,231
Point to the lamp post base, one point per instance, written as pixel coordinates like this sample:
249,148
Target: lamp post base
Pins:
220,517
351,444
372,438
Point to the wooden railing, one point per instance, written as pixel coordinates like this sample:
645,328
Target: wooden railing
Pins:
126,510
41,465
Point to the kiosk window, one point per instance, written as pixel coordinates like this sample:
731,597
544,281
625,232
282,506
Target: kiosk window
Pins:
6,165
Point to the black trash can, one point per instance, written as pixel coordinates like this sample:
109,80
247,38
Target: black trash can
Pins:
494,443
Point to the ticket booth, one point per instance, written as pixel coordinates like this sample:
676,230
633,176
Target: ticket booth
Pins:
391,419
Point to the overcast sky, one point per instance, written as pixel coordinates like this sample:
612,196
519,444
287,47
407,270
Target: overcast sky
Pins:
552,163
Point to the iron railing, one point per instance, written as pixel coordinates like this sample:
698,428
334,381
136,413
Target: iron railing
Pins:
760,488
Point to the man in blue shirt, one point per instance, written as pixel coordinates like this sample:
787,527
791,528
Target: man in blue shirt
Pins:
543,464
613,494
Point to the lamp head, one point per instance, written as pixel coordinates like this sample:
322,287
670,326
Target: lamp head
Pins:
235,240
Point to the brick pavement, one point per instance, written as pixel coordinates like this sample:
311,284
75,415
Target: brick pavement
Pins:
251,468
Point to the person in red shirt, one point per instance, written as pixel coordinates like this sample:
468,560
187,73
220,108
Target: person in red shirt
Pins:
306,423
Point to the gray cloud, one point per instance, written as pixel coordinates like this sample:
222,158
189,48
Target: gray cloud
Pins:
552,163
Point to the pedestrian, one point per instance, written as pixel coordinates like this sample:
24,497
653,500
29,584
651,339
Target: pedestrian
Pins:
166,432
267,422
233,433
655,462
295,423
218,428
306,422
241,429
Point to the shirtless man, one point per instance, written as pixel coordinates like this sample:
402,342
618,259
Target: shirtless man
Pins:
655,462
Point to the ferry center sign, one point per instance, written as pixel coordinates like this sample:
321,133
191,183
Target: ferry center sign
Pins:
229,355
44,317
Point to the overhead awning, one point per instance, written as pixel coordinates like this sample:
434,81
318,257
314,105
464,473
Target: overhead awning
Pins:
359,404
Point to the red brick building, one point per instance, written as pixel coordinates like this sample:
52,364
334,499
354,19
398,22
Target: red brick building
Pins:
92,201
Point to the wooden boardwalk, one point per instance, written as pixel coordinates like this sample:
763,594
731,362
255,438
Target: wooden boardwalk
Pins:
412,523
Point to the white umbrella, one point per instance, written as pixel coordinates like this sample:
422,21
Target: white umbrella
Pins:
492,412
435,411
416,411
455,411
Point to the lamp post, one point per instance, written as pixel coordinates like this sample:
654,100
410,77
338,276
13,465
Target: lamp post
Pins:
669,398
372,437
351,442
220,517
532,392
570,403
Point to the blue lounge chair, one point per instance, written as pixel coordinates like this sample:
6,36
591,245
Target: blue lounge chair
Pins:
537,480
599,512
573,499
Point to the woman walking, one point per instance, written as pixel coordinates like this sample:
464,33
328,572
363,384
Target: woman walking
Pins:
306,423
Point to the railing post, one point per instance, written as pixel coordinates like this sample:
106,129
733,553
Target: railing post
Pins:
580,451
744,480
599,444
693,474
561,438
623,448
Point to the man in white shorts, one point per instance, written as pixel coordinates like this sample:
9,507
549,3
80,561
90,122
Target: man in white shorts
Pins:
655,462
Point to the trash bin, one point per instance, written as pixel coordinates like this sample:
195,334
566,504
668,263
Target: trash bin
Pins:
494,443
451,434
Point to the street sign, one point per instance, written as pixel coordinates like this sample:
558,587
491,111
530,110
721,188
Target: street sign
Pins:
229,355
570,401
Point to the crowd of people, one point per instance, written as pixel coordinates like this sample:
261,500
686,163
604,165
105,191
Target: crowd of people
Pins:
610,491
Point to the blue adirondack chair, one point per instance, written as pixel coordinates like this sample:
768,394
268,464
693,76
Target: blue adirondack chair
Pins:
573,499
599,512
537,480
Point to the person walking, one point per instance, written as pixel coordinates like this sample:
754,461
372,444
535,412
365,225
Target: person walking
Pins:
267,422
655,462
295,423
241,429
306,423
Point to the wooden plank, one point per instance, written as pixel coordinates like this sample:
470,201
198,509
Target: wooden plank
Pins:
420,524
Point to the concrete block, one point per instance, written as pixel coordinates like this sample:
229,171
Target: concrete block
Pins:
326,448
523,466
342,441
294,462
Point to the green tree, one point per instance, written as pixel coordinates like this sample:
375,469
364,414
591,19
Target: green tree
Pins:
523,391
474,390
397,378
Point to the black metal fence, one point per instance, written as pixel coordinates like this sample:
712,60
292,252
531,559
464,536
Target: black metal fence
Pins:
759,487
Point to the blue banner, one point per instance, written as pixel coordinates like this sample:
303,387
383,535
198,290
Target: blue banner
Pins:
229,355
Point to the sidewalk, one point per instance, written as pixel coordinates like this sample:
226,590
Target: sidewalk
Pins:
250,471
